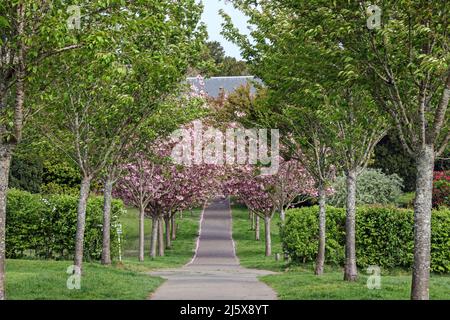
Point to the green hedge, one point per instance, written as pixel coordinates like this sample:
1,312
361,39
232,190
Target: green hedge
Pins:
384,236
45,227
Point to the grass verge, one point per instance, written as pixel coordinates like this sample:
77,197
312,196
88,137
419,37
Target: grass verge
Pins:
46,280
298,282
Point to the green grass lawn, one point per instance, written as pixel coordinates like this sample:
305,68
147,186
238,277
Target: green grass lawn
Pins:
295,282
182,249
39,279
249,251
46,280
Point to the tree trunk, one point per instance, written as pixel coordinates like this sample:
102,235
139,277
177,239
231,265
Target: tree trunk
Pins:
282,215
268,236
141,232
81,223
422,224
257,228
107,196
351,272
174,226
252,227
167,224
154,237
5,162
160,237
6,150
320,260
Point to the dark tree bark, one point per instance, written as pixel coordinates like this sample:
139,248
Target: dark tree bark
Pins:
320,260
141,232
5,162
107,197
81,222
268,236
167,234
422,224
154,237
160,237
350,272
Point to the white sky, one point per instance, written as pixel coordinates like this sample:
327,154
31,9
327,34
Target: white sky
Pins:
213,21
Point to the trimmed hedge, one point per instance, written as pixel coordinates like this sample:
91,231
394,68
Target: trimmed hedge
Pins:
45,227
384,236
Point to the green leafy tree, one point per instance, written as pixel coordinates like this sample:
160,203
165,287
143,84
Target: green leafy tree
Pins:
131,72
303,73
401,48
215,63
30,33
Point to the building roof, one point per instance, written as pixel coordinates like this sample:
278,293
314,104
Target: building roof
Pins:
213,85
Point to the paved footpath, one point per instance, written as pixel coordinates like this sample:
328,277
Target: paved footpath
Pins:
214,273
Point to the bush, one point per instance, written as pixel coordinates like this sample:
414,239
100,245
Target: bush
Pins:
384,236
391,157
60,177
373,187
441,189
45,227
26,173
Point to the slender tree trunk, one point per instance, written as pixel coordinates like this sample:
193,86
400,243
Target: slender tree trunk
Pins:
160,237
154,237
320,260
350,272
422,224
282,215
141,232
5,162
81,222
167,224
257,227
6,150
107,196
252,227
173,223
268,236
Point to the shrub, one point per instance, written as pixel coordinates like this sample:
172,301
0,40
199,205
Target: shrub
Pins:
384,236
441,189
373,187
26,173
45,227
391,157
60,177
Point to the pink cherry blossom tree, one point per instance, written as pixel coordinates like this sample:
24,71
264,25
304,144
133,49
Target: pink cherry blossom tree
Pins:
141,183
264,195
